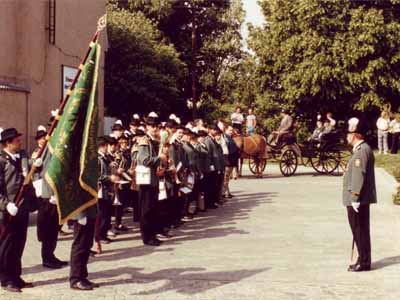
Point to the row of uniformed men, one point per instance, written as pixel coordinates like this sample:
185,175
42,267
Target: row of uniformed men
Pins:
182,165
163,173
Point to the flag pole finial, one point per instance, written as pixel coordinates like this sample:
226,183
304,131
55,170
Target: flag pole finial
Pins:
102,23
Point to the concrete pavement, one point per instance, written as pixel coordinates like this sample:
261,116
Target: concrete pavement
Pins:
279,238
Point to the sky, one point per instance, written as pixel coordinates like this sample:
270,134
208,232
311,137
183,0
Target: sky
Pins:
253,15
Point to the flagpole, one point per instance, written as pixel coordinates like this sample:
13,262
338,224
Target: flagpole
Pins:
101,24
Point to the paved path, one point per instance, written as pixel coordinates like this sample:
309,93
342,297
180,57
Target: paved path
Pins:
279,238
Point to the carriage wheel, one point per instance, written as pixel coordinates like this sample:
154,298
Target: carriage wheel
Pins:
330,158
288,162
262,163
317,162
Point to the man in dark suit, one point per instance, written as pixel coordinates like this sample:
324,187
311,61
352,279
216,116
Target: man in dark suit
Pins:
15,218
148,158
359,192
47,217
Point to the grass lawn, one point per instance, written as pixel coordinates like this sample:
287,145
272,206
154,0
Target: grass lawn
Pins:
391,163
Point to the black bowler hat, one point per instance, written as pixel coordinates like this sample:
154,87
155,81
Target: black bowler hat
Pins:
152,121
117,126
41,132
202,133
9,134
135,122
139,133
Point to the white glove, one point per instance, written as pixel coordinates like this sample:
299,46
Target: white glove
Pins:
53,200
38,162
356,206
82,221
12,209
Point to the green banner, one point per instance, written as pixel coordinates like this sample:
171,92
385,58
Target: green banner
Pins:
72,172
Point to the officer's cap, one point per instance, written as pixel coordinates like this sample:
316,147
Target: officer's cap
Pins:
357,125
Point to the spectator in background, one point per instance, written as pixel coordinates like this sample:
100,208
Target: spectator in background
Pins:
395,130
237,119
251,122
331,120
383,124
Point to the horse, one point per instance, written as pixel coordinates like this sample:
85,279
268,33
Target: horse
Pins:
253,147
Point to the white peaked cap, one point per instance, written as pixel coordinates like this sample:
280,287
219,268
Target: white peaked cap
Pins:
41,128
112,135
142,128
1,129
153,115
136,116
178,120
119,122
353,123
189,126
172,117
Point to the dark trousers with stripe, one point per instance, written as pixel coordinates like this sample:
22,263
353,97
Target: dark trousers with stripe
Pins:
47,229
80,250
12,244
359,224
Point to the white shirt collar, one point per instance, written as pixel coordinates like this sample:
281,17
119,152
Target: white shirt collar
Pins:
357,144
13,156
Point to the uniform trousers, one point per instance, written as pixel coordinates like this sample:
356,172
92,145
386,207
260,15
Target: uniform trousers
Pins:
149,226
359,224
124,196
135,205
47,229
103,219
210,188
80,250
219,185
12,244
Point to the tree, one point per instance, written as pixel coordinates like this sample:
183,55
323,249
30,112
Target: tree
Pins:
334,56
206,34
142,69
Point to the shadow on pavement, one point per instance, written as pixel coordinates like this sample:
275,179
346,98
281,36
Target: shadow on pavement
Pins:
182,280
386,262
211,224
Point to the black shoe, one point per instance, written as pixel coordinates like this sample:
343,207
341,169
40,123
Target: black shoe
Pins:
230,196
359,268
52,265
122,228
105,241
61,262
82,285
153,242
93,284
213,206
92,253
24,285
11,287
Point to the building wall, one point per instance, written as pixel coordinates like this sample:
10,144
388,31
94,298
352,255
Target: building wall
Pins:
28,56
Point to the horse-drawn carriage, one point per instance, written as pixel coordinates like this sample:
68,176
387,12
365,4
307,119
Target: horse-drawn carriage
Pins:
327,156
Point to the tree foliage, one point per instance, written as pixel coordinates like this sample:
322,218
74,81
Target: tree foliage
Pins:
143,71
164,29
332,55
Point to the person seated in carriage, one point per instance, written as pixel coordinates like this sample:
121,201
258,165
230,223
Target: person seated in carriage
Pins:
284,133
315,136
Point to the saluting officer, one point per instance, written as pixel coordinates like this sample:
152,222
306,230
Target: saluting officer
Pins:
15,219
359,192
